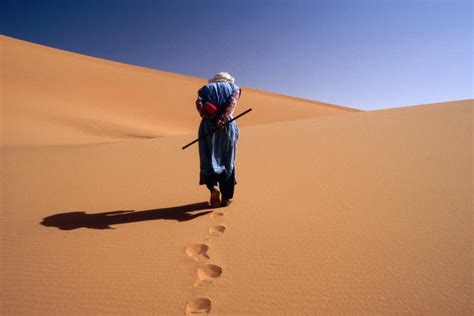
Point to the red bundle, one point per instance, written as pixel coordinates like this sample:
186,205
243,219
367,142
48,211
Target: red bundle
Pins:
209,109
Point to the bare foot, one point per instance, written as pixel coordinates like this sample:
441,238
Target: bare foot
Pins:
215,200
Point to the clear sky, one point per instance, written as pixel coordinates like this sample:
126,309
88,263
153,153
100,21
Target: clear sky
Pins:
358,53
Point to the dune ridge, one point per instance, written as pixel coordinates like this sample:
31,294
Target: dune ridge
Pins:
54,97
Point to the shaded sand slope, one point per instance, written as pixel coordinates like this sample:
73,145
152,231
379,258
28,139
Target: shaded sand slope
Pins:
56,97
369,213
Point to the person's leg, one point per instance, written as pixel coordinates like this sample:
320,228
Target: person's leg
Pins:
211,183
227,188
206,167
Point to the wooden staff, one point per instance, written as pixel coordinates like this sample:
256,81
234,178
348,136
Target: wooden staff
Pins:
209,133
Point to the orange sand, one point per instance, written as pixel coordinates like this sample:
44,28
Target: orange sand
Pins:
343,212
76,99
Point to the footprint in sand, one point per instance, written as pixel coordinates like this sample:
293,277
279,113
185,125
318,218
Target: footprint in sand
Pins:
207,273
216,230
198,251
217,215
198,306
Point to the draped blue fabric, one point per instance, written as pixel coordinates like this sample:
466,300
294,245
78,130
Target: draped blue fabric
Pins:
217,93
217,151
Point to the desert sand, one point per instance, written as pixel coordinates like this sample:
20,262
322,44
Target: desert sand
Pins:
76,99
337,211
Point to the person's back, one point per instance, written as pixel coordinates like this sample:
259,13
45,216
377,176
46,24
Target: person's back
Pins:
218,93
216,102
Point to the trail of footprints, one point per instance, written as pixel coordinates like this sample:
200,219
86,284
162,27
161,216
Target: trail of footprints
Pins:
207,272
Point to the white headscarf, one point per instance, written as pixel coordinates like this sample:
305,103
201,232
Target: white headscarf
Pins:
222,76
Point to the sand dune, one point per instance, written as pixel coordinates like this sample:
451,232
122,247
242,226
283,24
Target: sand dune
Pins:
362,213
54,97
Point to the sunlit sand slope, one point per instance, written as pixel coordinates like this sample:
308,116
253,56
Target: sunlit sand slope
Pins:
54,97
369,213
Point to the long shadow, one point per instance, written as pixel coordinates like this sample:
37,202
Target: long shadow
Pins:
75,220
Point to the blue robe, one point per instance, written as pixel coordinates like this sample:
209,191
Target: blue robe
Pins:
217,151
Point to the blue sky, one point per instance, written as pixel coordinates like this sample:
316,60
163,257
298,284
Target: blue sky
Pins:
359,53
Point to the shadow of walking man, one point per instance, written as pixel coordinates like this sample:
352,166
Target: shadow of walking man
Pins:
75,220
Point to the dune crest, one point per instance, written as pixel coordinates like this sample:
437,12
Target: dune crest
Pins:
55,97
